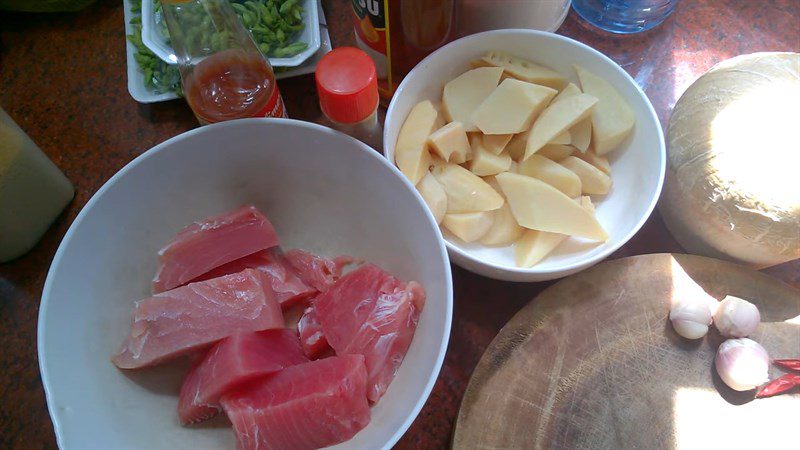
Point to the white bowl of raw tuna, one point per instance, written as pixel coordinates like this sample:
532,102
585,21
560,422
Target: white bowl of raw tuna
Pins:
260,283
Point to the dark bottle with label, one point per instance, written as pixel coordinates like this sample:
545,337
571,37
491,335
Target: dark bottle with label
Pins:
397,34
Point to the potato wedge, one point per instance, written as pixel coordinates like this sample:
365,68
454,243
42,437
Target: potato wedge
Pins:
475,63
491,180
450,142
516,146
601,162
586,203
486,163
551,211
534,246
555,152
525,70
569,91
496,143
581,134
511,107
552,173
612,118
593,180
557,118
564,138
411,153
469,227
504,229
475,141
463,94
433,194
437,161
466,192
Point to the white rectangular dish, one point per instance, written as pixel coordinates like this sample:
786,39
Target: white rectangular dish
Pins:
142,94
158,44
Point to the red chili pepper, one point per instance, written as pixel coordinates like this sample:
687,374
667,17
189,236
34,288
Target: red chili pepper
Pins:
779,385
788,364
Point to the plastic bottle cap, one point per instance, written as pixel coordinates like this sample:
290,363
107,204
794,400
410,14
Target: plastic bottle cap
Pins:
347,85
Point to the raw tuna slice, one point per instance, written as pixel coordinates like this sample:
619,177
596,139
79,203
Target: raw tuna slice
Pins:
316,271
312,337
306,406
369,312
235,360
210,243
289,288
192,317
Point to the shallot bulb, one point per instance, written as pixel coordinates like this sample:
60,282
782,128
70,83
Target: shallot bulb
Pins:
736,317
743,364
690,319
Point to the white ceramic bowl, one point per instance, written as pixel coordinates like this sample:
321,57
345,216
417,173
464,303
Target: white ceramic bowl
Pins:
637,166
323,191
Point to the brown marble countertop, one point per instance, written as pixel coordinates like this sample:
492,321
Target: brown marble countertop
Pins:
64,82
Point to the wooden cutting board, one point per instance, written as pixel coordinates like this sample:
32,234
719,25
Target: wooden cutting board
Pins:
593,362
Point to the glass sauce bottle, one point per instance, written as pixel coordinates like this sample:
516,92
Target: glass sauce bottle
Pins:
224,74
397,34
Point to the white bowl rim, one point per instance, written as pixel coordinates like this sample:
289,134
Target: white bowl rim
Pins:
662,152
40,329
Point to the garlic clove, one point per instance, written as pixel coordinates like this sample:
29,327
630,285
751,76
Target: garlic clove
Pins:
711,303
690,319
743,364
736,317
689,329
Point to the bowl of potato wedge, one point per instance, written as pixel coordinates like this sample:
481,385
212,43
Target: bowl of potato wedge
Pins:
537,155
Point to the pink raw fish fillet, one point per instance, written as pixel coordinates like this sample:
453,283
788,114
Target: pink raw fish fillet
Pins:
192,317
210,243
289,288
235,360
316,271
312,337
306,406
369,312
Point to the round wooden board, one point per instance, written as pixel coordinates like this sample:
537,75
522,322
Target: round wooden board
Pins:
593,362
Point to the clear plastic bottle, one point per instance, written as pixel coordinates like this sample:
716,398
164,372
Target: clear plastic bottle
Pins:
624,16
224,74
347,85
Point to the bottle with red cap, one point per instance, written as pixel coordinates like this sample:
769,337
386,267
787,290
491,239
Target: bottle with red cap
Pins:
347,85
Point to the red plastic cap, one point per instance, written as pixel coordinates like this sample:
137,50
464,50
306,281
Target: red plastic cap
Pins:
347,85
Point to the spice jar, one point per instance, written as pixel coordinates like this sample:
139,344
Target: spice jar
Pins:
347,85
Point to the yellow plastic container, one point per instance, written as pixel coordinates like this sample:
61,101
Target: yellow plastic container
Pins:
33,191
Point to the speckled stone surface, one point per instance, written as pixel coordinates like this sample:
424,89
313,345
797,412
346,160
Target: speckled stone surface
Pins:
63,79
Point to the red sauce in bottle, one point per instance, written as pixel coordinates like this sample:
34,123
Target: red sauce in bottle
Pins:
232,84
